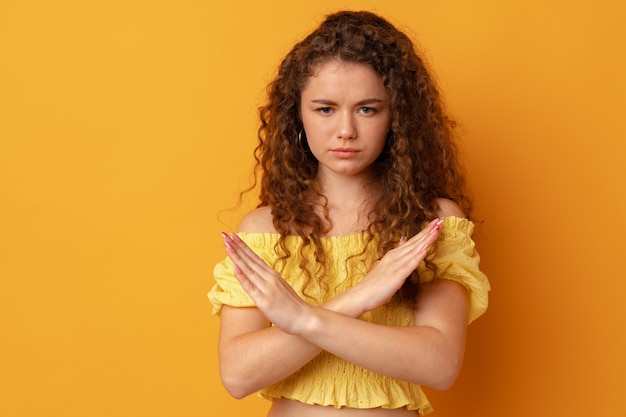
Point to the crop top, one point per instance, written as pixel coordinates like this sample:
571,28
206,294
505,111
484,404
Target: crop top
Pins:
327,379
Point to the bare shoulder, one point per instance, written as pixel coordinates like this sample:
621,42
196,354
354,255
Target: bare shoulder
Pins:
257,221
448,208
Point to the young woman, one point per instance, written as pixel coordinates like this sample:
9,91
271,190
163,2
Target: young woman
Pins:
351,285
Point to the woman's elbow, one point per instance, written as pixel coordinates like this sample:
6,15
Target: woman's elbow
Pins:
446,374
443,383
236,386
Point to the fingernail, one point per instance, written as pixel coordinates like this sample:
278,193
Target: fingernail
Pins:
234,237
228,246
224,235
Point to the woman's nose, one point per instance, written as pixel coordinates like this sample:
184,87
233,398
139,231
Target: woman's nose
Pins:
347,127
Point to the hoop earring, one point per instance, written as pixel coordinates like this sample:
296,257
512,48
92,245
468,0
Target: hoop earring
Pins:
300,141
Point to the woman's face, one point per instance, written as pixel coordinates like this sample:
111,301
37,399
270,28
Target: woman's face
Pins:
346,116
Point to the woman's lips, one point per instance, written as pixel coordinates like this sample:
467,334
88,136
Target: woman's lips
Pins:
344,152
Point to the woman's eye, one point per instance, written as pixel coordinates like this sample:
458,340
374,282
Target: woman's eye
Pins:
368,110
324,110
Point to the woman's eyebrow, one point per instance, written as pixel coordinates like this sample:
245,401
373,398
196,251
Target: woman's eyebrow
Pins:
324,101
360,103
370,101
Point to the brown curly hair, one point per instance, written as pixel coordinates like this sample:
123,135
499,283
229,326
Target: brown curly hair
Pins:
418,164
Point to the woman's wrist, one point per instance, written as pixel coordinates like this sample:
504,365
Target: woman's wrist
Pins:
346,303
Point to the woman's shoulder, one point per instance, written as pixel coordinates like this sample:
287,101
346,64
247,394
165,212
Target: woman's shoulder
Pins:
258,220
447,208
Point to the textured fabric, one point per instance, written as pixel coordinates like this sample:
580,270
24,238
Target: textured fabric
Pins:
329,380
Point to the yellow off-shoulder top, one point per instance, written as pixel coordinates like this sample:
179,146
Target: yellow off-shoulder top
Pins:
327,379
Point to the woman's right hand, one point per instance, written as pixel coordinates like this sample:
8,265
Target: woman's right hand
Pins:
387,276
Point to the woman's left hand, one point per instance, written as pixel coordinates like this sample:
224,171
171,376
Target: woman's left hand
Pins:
273,296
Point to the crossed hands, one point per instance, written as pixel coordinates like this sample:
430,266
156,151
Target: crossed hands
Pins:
286,310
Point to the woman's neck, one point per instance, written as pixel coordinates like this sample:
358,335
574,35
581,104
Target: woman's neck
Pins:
348,203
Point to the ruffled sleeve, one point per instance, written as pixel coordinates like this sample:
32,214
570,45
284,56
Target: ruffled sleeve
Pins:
227,290
456,259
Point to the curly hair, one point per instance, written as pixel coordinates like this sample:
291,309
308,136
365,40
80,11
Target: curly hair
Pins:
420,160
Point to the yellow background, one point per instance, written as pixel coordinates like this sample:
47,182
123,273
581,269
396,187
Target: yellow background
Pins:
126,126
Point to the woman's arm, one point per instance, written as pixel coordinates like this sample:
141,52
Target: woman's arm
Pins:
254,355
429,354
